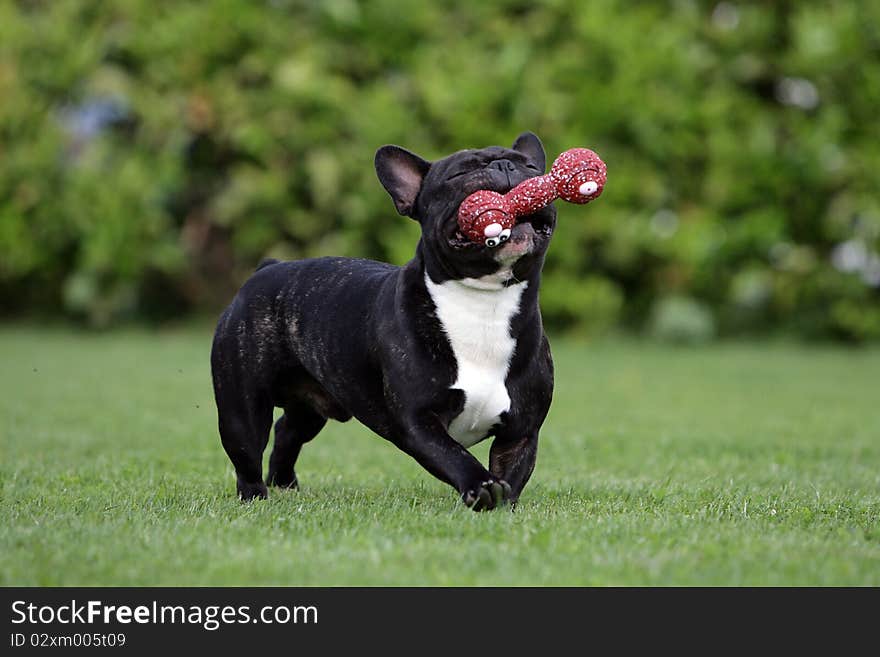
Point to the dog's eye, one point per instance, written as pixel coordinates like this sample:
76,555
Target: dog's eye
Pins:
532,167
458,175
491,242
504,235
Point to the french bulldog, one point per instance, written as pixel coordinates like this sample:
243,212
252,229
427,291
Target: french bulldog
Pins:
434,356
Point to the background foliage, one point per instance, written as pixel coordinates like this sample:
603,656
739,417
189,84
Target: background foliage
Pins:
151,152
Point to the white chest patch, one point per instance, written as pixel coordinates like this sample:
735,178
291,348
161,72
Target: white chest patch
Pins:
476,314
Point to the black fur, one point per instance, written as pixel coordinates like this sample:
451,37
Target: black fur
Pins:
335,338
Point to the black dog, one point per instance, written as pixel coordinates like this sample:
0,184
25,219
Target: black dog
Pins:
434,356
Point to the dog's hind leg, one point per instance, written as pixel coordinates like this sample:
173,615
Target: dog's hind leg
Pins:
244,431
297,426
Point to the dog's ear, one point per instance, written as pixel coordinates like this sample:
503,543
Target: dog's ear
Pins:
529,145
401,174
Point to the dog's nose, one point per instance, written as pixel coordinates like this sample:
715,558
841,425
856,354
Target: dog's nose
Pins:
502,165
505,178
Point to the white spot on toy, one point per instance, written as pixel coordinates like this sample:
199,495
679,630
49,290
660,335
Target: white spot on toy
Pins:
492,230
588,188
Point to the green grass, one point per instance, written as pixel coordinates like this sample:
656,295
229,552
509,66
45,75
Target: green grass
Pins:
730,464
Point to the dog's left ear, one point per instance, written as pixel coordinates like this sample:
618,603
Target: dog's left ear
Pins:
529,145
401,174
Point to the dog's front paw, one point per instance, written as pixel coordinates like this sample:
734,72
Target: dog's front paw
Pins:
487,495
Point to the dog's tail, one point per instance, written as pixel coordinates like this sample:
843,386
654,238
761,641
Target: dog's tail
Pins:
265,262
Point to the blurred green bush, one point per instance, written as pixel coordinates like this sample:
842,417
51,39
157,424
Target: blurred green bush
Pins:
151,152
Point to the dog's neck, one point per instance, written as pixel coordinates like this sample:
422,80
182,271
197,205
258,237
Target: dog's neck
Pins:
503,276
497,282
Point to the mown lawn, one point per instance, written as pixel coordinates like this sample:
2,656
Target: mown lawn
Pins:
723,465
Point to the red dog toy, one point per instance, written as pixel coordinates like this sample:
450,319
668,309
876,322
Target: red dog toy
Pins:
577,176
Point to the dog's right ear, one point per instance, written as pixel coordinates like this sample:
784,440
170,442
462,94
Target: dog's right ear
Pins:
529,145
401,174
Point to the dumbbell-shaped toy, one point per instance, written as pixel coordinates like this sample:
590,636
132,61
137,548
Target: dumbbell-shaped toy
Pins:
577,176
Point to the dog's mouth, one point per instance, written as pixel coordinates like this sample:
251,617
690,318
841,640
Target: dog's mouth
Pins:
541,223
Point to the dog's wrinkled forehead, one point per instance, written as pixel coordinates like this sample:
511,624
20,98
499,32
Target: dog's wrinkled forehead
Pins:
472,159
